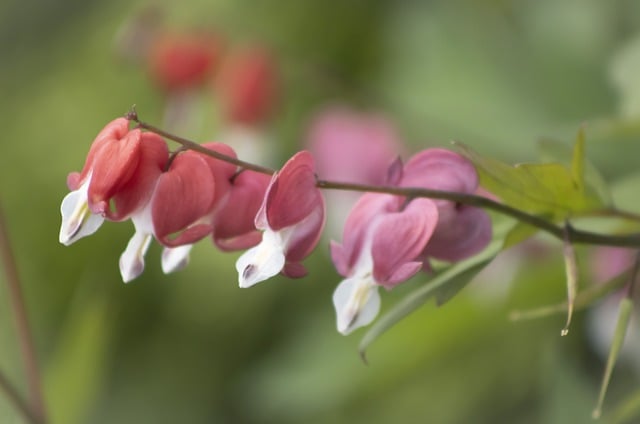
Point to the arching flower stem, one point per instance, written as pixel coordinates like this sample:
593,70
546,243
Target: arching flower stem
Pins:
560,232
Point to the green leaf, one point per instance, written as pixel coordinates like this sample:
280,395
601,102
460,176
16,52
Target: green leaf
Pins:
443,286
578,160
583,170
547,188
519,233
624,314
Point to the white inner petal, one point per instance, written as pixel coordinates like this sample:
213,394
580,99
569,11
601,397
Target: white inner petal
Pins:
132,259
262,261
357,302
175,258
77,219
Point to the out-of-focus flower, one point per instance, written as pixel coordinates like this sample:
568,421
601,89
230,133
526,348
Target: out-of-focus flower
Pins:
353,147
381,243
181,61
118,177
291,217
246,86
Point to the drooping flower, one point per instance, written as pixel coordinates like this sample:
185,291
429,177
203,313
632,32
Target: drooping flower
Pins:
291,217
179,211
405,232
181,61
382,242
462,230
246,86
117,179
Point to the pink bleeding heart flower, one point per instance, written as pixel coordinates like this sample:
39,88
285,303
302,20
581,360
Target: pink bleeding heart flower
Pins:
291,217
350,146
116,180
234,222
383,239
180,210
462,230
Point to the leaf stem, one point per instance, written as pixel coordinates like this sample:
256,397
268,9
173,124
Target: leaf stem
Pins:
37,409
558,231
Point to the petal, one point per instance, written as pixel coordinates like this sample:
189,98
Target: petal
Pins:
113,166
114,130
340,258
292,194
234,227
304,236
358,226
440,169
261,262
400,237
154,156
132,259
352,146
175,258
461,233
357,303
183,196
77,219
221,171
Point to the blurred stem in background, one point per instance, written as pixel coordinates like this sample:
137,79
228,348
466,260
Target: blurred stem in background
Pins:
34,410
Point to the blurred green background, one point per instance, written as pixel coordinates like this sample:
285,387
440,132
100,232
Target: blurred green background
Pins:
191,347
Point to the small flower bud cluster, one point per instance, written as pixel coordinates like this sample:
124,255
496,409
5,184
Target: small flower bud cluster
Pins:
181,198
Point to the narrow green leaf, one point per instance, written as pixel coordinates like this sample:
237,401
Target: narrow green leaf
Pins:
624,313
571,269
457,276
593,181
578,160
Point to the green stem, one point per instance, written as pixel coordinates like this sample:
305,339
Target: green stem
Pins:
37,410
571,234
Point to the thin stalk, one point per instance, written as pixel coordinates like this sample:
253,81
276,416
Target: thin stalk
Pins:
25,338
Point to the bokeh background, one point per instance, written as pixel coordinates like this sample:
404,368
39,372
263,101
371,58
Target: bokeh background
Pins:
192,347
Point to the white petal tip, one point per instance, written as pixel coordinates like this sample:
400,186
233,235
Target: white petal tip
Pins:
175,259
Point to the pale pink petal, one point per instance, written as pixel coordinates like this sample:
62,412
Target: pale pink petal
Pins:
400,237
440,169
461,233
352,146
357,227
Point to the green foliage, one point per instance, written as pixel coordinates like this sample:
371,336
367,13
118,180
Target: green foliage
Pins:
547,189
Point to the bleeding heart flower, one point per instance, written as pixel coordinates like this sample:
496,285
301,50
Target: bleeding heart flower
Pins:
182,61
116,180
383,239
462,230
291,217
247,85
180,210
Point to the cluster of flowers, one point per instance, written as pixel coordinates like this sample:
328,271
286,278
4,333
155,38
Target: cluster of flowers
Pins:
183,197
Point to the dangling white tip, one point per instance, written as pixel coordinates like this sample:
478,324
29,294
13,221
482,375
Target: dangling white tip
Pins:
175,258
262,261
357,303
